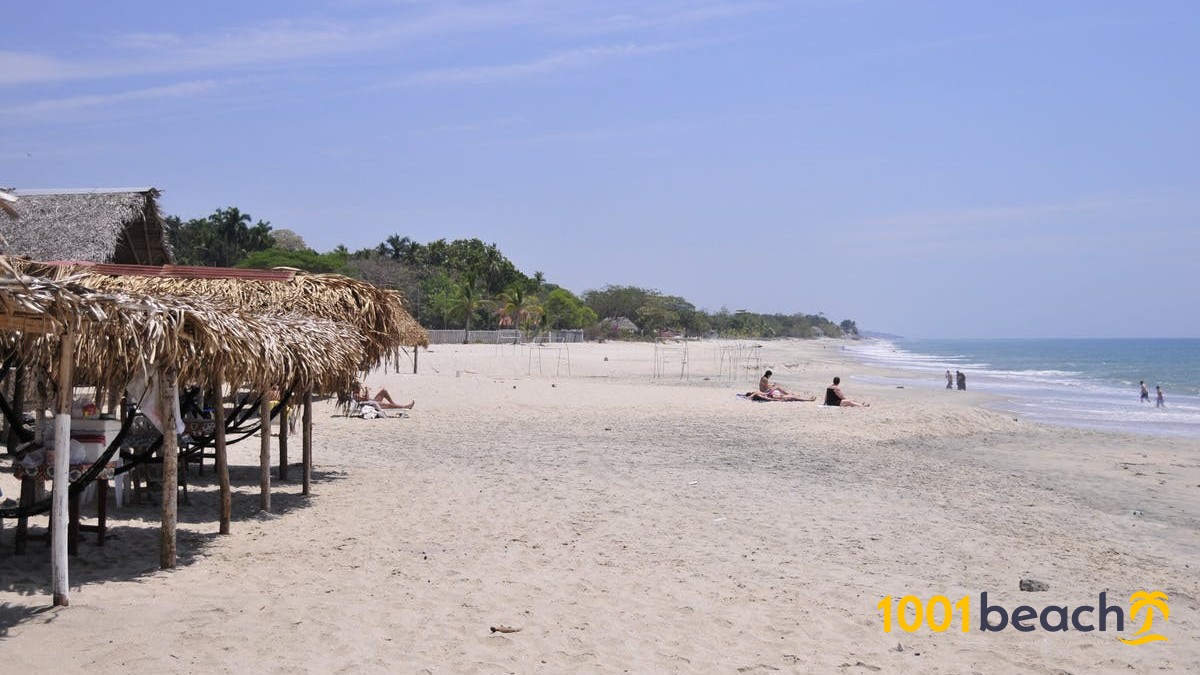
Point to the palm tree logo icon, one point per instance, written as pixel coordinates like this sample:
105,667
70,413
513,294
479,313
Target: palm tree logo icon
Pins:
1142,602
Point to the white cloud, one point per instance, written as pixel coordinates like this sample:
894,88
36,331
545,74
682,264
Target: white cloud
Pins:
265,43
179,90
21,67
568,60
303,40
646,17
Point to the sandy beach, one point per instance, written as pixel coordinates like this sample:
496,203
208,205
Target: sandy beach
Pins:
628,519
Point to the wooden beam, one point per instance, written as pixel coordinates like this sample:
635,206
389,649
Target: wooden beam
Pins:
62,458
283,442
170,468
222,456
307,441
264,455
29,323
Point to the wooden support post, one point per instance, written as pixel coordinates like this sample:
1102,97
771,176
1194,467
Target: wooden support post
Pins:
18,398
283,442
62,458
167,388
222,457
306,442
416,350
113,403
264,455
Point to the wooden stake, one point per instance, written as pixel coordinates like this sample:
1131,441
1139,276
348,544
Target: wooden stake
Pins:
306,443
222,457
416,350
170,468
264,455
62,458
283,442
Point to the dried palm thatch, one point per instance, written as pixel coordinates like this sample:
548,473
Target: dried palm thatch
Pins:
122,333
377,314
120,226
7,202
35,305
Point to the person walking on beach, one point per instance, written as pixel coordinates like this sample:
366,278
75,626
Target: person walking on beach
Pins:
962,380
1158,402
949,380
1145,392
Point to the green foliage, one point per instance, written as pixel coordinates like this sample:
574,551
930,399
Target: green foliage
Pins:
438,295
516,306
564,310
467,299
306,259
612,302
466,282
220,240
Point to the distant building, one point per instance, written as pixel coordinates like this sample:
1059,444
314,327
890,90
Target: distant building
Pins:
120,226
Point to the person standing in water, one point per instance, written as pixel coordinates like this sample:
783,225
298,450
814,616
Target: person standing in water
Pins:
1145,392
1159,402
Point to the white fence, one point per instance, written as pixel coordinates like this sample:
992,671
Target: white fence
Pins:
502,337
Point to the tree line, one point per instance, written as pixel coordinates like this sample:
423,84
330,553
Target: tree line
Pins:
466,283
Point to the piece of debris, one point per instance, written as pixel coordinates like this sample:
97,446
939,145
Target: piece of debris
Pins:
1034,586
505,629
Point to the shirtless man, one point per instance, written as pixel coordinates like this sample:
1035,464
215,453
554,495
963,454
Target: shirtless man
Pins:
835,397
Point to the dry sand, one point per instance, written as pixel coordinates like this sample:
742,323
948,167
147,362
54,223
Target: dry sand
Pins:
631,523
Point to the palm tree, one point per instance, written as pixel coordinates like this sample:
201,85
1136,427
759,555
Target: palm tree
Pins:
532,313
467,300
518,304
509,303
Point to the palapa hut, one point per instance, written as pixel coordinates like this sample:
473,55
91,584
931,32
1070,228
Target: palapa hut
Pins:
103,338
288,329
98,225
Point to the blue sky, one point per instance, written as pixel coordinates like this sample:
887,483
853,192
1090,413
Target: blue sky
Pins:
949,169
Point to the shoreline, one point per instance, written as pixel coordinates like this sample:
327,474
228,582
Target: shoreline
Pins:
1059,398
625,522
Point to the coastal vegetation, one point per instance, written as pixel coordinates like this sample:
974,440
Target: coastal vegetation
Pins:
466,283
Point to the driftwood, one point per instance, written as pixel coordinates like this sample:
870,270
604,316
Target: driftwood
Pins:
505,629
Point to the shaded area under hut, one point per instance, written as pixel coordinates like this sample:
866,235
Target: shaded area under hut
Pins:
276,334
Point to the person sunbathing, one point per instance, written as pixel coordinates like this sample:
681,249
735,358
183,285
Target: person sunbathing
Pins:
835,397
773,396
362,394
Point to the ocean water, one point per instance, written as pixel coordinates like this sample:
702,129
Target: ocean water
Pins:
1090,384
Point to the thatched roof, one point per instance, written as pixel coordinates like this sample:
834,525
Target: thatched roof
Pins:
121,333
120,226
7,202
377,314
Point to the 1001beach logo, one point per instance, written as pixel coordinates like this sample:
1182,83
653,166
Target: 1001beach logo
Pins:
910,613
